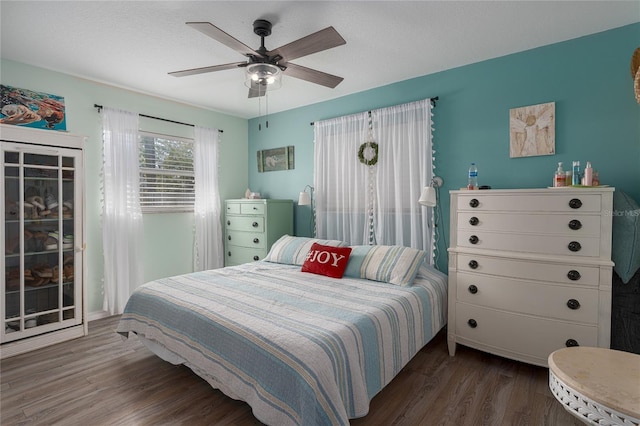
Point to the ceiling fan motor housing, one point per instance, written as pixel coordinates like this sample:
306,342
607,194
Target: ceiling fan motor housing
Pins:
262,27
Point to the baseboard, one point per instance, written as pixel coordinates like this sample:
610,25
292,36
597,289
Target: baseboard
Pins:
92,316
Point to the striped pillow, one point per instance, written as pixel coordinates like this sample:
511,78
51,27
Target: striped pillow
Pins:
293,250
390,264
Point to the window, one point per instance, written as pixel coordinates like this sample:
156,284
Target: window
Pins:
166,173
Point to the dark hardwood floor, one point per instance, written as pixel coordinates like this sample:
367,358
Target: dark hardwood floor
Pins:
102,380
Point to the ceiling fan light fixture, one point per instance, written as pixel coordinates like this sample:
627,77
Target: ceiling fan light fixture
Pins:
267,75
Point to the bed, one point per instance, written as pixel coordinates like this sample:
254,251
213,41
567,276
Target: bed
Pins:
300,348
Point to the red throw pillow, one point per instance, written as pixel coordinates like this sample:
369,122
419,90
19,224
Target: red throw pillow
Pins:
327,260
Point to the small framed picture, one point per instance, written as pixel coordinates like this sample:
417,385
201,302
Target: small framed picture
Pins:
532,130
23,107
270,160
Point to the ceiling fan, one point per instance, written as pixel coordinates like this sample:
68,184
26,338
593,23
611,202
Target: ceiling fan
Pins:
265,67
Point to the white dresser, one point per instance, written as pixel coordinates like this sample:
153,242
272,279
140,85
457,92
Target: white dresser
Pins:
530,270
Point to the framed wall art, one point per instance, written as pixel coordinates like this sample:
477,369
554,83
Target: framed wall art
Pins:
270,160
532,130
23,107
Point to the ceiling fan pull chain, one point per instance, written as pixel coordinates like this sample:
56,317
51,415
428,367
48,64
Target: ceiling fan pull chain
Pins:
259,112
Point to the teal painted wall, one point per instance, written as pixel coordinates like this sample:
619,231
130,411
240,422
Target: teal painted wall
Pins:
597,120
168,238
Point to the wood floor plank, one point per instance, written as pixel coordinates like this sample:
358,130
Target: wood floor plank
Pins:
101,379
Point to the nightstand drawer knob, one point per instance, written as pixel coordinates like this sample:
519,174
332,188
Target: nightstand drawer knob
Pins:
573,275
472,323
254,224
575,203
228,222
474,203
229,253
574,246
473,289
474,221
573,304
473,239
229,238
256,258
571,343
575,224
473,264
256,240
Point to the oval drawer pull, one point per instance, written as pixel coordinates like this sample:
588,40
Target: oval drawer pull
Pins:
571,343
228,222
473,289
256,258
573,275
575,224
472,323
256,240
575,203
228,253
229,238
254,224
574,246
573,304
473,221
473,239
474,203
473,264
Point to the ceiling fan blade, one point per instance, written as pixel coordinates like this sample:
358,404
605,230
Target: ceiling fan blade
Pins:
314,76
316,42
256,90
217,34
203,70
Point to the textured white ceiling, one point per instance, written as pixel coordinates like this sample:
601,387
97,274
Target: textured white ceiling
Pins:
134,44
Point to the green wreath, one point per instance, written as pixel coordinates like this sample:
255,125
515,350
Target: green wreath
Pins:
368,161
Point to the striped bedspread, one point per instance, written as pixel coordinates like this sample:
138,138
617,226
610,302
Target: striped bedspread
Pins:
299,348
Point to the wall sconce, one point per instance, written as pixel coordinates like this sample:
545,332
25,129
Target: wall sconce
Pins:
428,197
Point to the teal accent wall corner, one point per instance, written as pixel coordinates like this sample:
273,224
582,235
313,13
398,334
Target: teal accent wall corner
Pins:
597,120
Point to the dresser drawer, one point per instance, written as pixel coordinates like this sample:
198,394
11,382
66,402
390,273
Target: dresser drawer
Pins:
530,243
525,335
578,304
233,208
236,255
583,275
252,208
245,223
561,223
247,239
547,202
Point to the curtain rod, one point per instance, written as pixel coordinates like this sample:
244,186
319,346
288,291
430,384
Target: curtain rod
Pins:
99,107
433,105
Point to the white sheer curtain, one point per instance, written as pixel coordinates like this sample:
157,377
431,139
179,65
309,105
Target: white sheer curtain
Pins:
340,180
121,215
403,133
208,230
351,195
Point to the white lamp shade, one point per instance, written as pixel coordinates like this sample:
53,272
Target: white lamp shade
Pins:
428,196
304,199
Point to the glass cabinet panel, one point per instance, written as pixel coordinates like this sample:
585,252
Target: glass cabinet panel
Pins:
41,291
